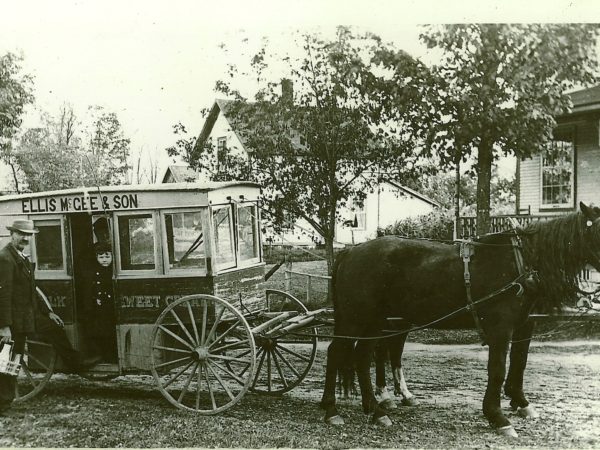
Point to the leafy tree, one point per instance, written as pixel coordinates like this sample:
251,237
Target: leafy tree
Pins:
49,156
326,145
15,94
62,154
441,187
108,150
498,88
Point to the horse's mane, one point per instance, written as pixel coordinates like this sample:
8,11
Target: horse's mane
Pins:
556,249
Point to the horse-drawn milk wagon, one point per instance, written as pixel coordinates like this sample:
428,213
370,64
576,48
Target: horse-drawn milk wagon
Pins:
188,275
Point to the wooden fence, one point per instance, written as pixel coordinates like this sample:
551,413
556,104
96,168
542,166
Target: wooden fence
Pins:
468,225
316,285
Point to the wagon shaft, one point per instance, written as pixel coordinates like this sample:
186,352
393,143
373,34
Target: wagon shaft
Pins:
281,317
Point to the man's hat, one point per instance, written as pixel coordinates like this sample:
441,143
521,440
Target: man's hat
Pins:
23,226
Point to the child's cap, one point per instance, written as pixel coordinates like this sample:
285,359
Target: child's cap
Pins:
102,247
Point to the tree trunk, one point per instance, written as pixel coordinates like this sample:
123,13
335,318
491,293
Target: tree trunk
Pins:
15,177
484,177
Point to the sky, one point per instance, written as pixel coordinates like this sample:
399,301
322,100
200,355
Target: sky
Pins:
155,63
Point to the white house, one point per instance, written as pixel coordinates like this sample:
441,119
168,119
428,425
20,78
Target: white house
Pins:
389,203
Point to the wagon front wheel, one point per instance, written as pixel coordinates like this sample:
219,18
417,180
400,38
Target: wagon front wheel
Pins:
37,366
203,354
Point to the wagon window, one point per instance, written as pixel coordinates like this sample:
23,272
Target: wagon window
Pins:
49,245
224,243
248,232
136,240
185,240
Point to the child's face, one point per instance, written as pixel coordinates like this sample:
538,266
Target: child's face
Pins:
104,258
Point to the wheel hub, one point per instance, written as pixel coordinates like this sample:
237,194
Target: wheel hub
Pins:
200,353
267,343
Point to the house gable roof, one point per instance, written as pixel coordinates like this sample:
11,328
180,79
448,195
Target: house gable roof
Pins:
585,100
219,106
180,174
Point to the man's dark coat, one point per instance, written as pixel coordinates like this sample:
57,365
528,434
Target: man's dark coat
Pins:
17,292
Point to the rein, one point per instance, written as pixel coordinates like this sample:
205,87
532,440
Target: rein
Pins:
515,283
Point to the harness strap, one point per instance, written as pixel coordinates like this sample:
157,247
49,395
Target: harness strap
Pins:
516,245
467,249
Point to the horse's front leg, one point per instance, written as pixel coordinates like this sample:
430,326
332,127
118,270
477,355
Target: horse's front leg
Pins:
363,352
498,350
513,387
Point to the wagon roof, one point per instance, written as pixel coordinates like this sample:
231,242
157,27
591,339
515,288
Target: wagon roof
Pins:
193,187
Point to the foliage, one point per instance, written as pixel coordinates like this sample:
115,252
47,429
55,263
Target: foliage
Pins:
438,224
15,94
108,148
48,156
498,88
328,143
62,153
440,186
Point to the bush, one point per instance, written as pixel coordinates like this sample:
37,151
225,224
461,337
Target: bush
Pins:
438,224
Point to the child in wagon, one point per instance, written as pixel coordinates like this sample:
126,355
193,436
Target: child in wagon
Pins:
99,304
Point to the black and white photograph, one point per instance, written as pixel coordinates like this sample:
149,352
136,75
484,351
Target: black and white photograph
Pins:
300,224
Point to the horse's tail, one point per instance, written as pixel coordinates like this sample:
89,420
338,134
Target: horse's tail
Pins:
346,371
334,272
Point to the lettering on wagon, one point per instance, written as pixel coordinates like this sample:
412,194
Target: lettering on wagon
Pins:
140,301
92,202
57,301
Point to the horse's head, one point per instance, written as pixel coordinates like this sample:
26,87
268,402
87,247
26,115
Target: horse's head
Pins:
591,215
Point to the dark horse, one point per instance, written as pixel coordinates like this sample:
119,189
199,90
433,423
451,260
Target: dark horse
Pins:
423,281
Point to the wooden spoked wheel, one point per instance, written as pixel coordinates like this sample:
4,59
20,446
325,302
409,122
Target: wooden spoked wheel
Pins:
284,358
37,366
203,354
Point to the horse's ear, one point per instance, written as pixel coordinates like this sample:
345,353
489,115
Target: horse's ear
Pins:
592,212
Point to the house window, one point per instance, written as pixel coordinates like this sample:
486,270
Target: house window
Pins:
221,153
557,172
361,220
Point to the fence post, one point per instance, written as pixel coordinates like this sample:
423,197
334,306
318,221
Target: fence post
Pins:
308,288
288,275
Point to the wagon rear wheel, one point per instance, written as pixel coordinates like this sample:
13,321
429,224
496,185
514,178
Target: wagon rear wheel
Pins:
283,358
203,354
37,366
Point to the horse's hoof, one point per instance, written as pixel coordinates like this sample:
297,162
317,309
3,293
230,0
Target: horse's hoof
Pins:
528,412
383,421
410,401
388,403
507,431
334,420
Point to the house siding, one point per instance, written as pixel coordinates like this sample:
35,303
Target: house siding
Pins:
588,163
529,189
587,171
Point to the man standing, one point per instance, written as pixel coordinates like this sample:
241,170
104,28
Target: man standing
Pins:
17,299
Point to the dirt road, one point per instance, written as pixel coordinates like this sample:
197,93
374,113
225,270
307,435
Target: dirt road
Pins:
562,381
